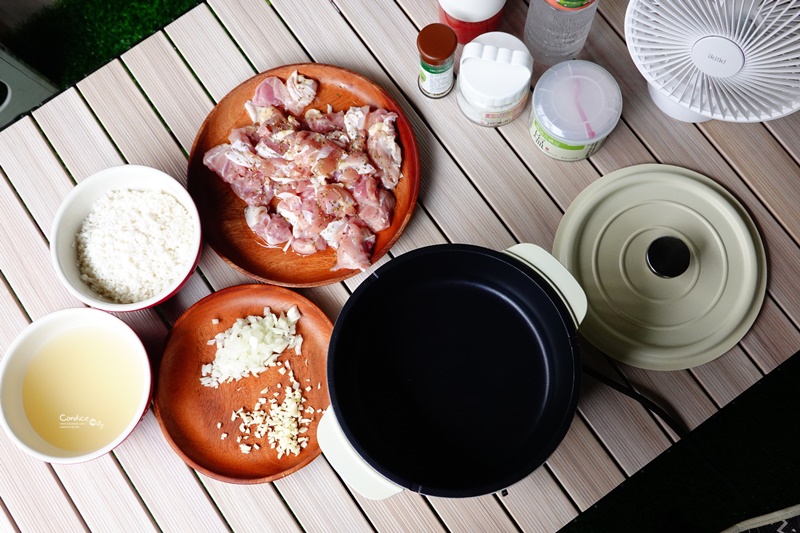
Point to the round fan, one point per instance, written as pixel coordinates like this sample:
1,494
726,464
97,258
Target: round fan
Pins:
731,60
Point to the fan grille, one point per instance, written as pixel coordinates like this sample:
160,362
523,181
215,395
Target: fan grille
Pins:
661,35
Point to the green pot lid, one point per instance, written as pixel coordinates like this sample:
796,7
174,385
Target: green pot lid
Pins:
673,266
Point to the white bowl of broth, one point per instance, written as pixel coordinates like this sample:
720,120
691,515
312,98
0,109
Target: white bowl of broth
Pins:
73,385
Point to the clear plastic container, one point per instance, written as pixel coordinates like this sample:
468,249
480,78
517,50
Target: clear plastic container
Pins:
494,79
576,105
556,30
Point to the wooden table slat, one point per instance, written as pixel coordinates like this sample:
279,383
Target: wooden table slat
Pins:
489,187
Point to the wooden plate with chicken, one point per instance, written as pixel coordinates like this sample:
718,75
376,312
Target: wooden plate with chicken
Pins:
304,175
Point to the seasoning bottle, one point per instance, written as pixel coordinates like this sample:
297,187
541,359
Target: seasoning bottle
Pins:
470,18
437,47
556,30
494,79
576,105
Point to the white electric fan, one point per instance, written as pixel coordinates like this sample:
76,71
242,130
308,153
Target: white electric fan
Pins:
731,60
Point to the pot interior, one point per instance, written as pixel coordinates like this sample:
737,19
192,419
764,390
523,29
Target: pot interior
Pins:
454,370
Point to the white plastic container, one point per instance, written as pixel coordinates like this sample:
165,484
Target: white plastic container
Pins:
576,105
494,79
470,18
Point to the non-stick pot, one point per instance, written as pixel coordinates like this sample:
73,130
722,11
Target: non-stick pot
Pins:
453,371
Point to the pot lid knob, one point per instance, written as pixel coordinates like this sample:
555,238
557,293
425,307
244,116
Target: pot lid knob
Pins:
668,257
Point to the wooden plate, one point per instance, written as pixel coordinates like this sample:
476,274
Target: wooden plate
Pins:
188,412
222,212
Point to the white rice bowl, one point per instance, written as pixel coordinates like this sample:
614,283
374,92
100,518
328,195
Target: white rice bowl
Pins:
142,266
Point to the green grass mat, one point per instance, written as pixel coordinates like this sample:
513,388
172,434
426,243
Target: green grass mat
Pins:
72,38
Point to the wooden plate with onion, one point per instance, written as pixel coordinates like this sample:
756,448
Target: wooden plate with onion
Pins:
222,212
196,419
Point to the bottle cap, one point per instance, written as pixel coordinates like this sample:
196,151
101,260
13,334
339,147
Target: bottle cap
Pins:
495,70
436,43
472,10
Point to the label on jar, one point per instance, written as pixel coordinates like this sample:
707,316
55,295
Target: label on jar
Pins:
570,4
436,80
492,117
559,149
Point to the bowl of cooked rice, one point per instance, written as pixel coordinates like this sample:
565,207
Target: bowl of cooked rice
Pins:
126,238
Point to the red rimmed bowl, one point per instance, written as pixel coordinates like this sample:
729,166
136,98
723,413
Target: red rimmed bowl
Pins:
73,385
79,203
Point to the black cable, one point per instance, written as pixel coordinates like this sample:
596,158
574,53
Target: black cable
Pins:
682,432
646,402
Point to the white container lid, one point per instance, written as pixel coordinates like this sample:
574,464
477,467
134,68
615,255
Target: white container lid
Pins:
472,10
577,102
495,70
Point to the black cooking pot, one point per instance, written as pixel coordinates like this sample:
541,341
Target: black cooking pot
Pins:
453,371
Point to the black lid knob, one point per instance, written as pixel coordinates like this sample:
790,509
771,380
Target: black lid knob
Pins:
668,257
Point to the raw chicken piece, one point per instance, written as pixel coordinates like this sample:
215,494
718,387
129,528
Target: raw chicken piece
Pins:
334,232
382,147
324,122
293,96
355,247
357,161
242,139
375,204
335,200
271,227
314,154
303,213
271,92
248,183
274,135
355,125
304,246
301,90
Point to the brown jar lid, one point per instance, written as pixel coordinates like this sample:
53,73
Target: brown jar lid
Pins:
436,43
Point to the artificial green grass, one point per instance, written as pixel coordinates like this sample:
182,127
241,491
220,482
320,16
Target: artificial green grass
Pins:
70,39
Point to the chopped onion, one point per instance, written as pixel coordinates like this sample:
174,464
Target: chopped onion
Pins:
251,345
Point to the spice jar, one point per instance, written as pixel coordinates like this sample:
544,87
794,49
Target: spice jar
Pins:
437,46
494,79
576,105
470,18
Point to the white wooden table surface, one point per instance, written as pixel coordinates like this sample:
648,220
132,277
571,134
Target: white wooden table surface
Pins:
490,187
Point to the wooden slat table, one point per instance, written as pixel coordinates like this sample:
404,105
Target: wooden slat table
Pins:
489,187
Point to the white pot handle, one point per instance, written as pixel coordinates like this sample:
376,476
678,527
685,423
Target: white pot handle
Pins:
354,470
556,274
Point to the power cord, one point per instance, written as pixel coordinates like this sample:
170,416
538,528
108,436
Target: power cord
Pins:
680,430
646,402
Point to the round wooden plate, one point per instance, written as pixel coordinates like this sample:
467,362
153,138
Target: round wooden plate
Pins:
189,412
222,212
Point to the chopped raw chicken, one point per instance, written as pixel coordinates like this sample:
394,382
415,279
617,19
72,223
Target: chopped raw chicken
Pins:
247,182
294,95
273,228
375,204
355,247
382,147
316,180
